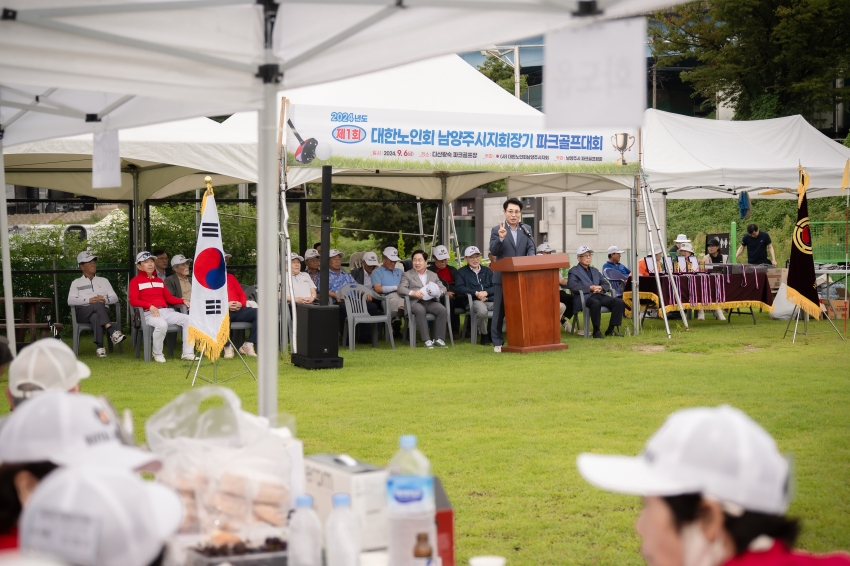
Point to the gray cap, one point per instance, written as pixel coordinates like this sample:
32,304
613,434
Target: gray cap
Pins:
294,255
178,259
311,253
334,253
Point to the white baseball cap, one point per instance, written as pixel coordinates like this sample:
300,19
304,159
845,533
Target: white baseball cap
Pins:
440,252
85,257
471,251
681,238
178,259
371,258
391,253
583,250
142,256
99,517
334,253
544,247
615,250
69,429
45,365
294,255
687,247
719,452
311,253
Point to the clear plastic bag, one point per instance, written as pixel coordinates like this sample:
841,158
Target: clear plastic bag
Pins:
231,471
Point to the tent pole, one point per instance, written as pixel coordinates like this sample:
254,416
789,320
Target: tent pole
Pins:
6,256
267,237
444,221
283,242
325,238
645,195
633,212
421,227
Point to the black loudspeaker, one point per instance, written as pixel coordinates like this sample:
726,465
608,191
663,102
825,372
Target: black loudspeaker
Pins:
317,341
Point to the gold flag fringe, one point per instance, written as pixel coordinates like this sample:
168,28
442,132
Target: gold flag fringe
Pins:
627,298
845,179
203,341
795,297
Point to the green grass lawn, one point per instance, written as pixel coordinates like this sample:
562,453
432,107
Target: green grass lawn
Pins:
503,431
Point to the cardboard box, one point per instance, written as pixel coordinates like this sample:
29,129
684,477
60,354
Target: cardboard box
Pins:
837,310
327,474
776,277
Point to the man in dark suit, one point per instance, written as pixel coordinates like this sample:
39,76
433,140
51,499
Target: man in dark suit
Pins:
586,278
510,238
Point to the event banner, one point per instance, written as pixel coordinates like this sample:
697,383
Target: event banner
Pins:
368,138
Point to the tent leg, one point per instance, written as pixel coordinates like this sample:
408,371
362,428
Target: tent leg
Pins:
633,221
645,195
421,226
444,220
267,238
6,257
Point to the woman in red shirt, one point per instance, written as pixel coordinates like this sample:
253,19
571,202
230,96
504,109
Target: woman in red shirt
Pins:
715,492
147,291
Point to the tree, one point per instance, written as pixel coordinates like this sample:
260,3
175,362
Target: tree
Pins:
764,58
502,74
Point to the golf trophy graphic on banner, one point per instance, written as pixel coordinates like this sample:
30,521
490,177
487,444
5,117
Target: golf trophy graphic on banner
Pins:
622,143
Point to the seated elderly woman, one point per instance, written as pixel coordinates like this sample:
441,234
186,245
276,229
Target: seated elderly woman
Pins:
303,289
425,290
715,492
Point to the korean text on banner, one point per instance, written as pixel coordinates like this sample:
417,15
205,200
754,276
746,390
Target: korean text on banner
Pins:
209,319
106,160
596,75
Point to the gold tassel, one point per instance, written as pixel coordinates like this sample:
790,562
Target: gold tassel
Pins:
209,192
803,185
795,297
211,348
845,180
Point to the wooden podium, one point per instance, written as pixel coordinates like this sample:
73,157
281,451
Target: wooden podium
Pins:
530,291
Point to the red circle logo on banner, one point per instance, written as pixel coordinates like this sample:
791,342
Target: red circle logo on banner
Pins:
209,269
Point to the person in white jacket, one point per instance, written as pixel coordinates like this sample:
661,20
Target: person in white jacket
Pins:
89,295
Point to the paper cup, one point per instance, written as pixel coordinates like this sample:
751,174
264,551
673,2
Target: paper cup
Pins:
487,561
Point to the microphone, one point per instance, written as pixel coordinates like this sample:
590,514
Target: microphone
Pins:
524,231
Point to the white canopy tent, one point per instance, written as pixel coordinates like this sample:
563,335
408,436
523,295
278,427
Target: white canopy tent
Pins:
231,51
696,158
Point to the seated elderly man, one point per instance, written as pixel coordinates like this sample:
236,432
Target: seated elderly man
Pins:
148,292
313,263
363,274
448,275
614,261
179,283
586,278
385,280
425,289
477,280
239,312
161,262
337,277
89,295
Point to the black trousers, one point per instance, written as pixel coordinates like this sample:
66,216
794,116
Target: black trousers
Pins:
595,302
96,314
498,316
568,302
247,314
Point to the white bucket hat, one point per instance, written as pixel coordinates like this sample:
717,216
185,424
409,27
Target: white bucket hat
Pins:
99,517
681,238
719,452
69,429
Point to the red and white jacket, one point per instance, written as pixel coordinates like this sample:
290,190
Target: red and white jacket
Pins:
147,291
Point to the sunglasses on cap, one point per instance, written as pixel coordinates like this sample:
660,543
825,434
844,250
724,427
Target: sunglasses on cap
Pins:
145,256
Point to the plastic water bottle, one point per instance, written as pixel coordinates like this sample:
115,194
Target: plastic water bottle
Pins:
410,501
305,534
343,542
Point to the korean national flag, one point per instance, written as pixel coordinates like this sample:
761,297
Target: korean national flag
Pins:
209,321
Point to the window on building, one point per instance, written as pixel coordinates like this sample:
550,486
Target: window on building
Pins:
586,221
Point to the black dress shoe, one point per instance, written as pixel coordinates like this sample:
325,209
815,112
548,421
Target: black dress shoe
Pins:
485,340
597,334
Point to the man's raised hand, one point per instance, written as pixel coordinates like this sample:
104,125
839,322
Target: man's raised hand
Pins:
502,231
